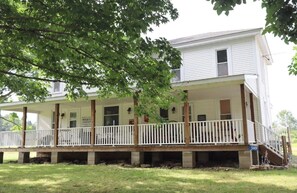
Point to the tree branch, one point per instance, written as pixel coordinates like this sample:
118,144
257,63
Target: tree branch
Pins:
27,77
10,122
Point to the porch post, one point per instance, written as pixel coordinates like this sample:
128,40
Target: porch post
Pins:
24,127
57,115
135,101
93,121
253,113
244,116
187,121
285,150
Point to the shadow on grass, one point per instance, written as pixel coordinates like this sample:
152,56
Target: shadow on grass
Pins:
76,178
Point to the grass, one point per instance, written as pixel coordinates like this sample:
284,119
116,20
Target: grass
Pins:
47,178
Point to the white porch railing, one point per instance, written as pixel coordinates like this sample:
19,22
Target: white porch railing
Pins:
269,138
10,138
217,131
39,138
166,133
78,136
114,135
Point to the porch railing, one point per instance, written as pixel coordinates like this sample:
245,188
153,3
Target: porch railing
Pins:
39,138
217,131
10,138
114,135
166,133
79,136
201,132
269,138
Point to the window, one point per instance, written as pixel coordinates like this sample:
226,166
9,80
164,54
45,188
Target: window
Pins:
225,109
57,87
111,115
190,113
73,119
164,114
222,62
201,117
176,75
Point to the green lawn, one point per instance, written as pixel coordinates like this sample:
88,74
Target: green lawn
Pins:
64,178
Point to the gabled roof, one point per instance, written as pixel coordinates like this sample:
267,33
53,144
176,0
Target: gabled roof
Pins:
212,35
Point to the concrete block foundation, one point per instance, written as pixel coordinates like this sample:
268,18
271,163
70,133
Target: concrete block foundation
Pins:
189,159
245,159
24,157
137,158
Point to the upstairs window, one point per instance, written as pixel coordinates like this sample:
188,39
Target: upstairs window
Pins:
57,87
222,62
176,75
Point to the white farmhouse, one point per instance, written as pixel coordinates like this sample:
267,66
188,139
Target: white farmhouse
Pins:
226,116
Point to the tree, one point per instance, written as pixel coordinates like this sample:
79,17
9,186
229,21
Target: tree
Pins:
12,122
281,18
85,44
286,119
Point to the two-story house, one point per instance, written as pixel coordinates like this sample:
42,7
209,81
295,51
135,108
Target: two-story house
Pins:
226,116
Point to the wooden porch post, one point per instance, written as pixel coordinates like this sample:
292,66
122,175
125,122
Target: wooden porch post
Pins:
57,115
244,116
93,121
24,126
135,101
253,114
285,150
187,121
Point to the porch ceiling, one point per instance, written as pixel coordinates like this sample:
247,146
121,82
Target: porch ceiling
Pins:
50,105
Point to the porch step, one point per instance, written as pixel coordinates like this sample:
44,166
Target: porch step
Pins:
273,157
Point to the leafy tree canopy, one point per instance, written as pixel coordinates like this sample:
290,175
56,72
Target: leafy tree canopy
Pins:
281,19
85,44
286,119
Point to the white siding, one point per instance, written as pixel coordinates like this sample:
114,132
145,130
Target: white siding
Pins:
200,62
243,58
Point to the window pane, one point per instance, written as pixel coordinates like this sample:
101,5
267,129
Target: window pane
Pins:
111,110
111,120
222,69
72,123
176,75
56,86
222,56
164,113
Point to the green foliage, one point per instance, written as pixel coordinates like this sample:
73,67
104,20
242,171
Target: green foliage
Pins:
286,119
91,44
12,122
281,18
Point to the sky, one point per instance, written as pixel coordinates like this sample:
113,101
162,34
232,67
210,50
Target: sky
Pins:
196,17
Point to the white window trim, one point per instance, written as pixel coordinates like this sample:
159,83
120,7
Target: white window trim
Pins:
229,60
